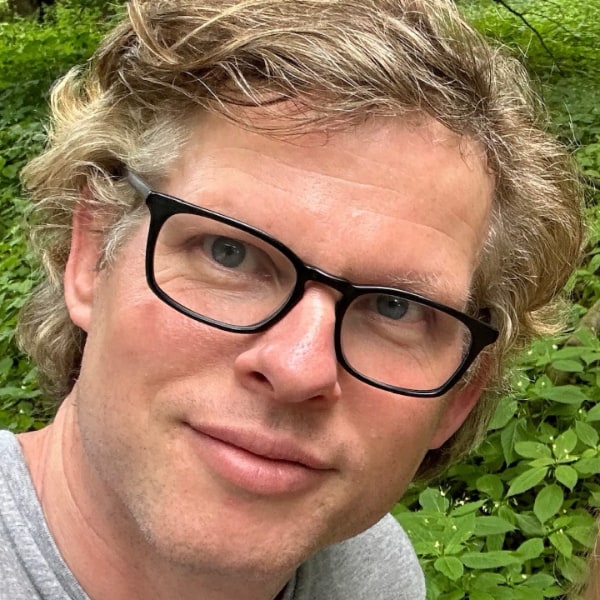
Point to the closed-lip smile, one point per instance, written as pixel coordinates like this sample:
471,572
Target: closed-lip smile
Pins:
264,446
256,462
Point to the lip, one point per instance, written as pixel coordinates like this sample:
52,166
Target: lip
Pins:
256,462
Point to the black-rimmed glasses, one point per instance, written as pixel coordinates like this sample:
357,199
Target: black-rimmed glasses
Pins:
228,274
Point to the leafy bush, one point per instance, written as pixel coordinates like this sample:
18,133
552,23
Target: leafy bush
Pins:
517,509
25,77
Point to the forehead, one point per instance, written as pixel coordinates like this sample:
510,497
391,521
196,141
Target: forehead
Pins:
386,202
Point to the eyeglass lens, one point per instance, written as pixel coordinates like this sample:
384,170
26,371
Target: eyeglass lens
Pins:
228,275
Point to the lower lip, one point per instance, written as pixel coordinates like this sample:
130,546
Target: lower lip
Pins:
253,473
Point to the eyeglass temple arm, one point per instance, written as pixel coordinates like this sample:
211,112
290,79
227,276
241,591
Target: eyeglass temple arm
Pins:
138,184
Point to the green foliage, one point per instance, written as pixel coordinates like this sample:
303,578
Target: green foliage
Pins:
25,77
517,508
567,64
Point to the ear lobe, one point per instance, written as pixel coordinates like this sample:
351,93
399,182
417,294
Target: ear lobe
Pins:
458,406
81,271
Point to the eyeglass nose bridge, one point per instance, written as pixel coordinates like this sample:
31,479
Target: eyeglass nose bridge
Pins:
309,273
306,274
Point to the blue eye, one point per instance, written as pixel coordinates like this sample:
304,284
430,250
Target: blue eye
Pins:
228,252
392,307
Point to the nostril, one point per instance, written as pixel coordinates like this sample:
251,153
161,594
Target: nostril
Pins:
261,379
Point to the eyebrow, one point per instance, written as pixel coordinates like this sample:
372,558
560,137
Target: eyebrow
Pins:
431,285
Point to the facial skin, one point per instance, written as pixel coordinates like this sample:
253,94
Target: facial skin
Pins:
165,460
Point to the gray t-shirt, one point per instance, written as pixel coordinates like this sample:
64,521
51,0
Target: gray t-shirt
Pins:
378,564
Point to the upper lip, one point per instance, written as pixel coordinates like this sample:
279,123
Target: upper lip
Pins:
264,445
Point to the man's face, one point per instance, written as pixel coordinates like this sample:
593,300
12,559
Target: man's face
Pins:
250,452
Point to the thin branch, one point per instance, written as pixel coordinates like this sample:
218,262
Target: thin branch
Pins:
537,34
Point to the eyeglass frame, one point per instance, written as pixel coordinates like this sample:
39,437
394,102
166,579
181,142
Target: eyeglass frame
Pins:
163,206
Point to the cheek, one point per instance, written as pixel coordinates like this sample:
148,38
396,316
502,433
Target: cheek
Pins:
398,435
149,341
138,347
390,438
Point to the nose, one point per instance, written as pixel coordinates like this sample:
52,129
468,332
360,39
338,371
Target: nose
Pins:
295,360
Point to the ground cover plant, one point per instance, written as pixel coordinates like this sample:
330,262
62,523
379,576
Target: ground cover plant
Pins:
512,520
68,36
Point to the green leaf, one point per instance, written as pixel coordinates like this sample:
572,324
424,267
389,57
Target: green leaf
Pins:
585,535
570,366
449,566
530,525
539,580
485,526
491,485
564,444
565,394
587,337
587,434
530,549
454,595
548,502
467,508
542,462
479,595
562,543
567,352
461,530
563,521
432,499
593,414
5,365
525,481
487,580
572,568
505,411
489,560
509,436
588,466
532,450
566,475
495,542
507,513
527,593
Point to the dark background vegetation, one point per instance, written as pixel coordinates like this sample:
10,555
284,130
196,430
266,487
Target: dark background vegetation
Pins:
513,520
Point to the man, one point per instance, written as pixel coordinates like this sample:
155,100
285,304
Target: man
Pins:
281,239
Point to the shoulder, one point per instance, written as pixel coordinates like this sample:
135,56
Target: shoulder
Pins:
30,564
14,474
8,440
11,457
378,563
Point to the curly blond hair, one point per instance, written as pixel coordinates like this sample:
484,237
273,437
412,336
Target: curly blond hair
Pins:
338,63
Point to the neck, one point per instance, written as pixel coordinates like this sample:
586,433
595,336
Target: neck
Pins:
96,537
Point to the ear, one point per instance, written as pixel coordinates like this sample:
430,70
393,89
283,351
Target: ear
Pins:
81,272
459,404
